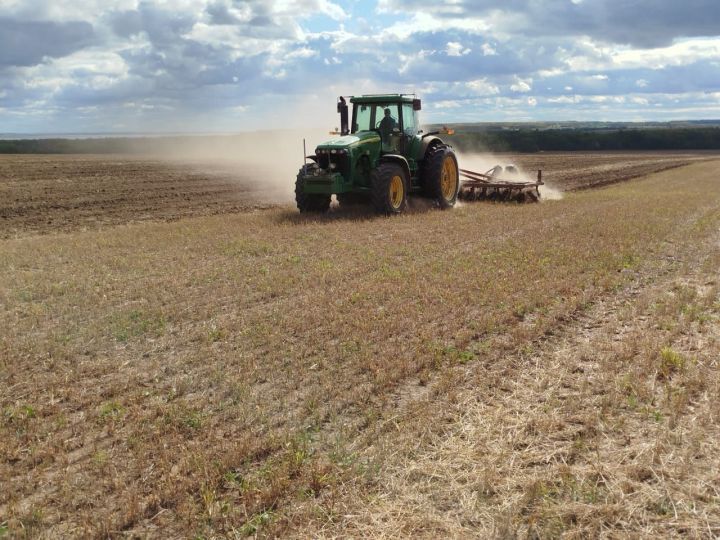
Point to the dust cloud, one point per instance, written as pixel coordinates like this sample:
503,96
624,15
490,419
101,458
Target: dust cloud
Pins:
263,162
549,193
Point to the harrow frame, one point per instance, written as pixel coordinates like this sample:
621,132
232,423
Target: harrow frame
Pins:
475,185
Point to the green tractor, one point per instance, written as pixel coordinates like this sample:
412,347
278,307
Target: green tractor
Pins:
381,157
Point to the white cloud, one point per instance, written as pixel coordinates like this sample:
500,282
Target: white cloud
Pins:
483,87
488,50
454,48
303,52
521,85
565,99
447,104
422,21
605,99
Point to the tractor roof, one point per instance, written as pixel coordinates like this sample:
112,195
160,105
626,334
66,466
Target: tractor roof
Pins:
383,98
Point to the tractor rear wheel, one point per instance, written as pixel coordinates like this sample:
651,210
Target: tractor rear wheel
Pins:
389,188
442,179
309,202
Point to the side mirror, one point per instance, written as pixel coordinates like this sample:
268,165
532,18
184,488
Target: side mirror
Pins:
417,105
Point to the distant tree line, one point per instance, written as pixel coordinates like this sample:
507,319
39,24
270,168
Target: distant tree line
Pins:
493,140
558,140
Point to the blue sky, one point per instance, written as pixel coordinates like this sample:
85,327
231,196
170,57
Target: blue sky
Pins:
228,65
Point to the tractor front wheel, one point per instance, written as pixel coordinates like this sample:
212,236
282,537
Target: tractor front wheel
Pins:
309,202
442,179
389,188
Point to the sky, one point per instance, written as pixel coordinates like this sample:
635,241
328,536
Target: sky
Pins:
227,65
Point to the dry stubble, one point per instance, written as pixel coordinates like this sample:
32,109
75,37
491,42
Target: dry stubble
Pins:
228,375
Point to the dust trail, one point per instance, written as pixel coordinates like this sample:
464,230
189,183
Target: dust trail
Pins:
263,163
483,162
420,204
549,193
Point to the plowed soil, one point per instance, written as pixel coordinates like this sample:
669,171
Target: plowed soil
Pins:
45,194
571,171
42,194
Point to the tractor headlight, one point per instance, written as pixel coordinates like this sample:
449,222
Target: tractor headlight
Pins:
333,166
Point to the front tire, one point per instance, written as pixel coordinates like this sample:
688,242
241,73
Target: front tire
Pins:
309,202
442,178
389,189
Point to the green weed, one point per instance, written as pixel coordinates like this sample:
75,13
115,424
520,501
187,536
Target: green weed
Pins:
111,410
135,323
671,362
256,522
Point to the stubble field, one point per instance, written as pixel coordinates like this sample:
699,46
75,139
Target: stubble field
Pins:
495,370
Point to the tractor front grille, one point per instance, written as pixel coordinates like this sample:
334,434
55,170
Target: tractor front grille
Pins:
342,164
319,180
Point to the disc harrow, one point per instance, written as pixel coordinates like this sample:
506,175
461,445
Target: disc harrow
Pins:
499,184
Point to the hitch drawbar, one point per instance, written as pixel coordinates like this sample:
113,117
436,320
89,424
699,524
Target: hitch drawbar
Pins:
494,186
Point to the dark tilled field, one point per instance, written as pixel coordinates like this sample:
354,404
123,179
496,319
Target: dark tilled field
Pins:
41,194
571,171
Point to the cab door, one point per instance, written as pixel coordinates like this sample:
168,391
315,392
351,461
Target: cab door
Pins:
410,139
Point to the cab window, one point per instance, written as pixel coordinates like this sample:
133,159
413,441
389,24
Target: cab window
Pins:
410,126
363,118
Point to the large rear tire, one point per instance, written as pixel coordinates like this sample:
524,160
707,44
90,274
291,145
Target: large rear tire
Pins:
389,188
309,202
441,176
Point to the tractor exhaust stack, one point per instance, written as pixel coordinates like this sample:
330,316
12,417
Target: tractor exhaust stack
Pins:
343,110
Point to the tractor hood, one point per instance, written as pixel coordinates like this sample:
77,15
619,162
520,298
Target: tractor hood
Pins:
346,141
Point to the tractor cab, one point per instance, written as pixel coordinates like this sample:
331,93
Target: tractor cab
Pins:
394,118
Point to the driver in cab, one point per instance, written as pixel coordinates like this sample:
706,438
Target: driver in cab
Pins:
387,124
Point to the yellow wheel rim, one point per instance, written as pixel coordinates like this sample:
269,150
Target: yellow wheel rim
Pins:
448,179
397,191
